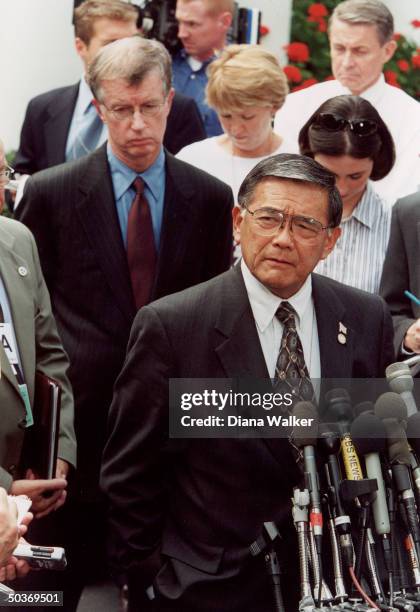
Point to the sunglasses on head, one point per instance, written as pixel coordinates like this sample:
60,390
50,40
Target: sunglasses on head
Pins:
334,123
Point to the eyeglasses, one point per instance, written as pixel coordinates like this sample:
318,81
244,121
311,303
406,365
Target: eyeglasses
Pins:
122,113
268,221
334,123
6,174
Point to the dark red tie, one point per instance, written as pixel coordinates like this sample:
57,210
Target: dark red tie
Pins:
141,250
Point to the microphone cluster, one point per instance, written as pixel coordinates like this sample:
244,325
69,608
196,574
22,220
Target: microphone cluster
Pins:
362,477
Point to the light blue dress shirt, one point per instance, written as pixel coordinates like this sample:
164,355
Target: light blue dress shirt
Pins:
154,190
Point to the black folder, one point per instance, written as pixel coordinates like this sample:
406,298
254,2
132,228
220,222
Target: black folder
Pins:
41,439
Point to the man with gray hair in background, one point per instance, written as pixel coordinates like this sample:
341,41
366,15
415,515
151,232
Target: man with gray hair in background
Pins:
361,42
116,229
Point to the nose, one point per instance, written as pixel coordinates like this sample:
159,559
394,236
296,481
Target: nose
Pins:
342,187
348,59
284,236
235,127
182,31
137,122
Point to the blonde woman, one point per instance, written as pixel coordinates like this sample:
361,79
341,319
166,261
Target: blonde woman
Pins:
246,87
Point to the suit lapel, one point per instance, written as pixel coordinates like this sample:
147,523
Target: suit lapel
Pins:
21,306
56,128
336,357
240,352
176,222
98,215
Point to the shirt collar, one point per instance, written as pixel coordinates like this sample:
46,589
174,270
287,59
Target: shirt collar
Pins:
372,93
184,55
85,95
264,303
366,210
152,176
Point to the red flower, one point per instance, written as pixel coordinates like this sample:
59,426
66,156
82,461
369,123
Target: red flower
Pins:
293,74
397,36
317,10
322,26
391,78
415,60
403,65
264,30
416,23
305,84
297,52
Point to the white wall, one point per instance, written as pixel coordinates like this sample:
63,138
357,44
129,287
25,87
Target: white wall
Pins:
37,53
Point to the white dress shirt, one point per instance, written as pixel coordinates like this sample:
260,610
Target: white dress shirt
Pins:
398,110
264,305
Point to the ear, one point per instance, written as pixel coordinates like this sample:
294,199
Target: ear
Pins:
97,105
170,98
225,21
331,238
81,47
237,222
389,49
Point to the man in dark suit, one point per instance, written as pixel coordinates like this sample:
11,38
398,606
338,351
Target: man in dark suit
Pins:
89,222
184,513
401,272
54,120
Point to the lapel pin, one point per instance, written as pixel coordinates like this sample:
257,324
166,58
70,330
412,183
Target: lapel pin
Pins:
342,333
22,271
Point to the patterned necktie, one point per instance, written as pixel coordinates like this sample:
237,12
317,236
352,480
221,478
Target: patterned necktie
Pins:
291,371
87,138
141,250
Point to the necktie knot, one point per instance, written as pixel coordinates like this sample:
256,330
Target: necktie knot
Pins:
138,184
286,315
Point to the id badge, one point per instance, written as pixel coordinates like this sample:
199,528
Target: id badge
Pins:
25,396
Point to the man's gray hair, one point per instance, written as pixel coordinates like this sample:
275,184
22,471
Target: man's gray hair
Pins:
292,167
130,59
369,12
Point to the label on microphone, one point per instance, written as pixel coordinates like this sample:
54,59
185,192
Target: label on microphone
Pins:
342,520
351,460
316,519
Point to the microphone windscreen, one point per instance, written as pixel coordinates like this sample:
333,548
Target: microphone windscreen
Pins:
368,434
390,405
329,440
413,432
399,377
398,448
338,406
305,435
363,407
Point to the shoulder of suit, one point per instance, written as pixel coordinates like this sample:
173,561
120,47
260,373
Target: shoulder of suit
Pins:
10,228
70,169
191,300
182,101
349,295
48,96
408,207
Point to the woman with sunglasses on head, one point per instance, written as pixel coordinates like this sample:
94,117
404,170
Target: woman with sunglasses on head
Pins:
347,136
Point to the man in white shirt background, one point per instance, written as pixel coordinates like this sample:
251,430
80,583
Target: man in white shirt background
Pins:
361,42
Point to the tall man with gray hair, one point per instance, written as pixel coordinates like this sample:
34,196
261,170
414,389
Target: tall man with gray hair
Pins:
115,229
186,515
361,42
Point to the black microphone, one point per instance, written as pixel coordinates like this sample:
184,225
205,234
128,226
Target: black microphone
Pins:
401,381
364,407
413,435
391,409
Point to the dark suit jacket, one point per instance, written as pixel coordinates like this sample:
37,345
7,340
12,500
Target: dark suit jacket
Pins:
203,506
71,211
401,269
47,122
